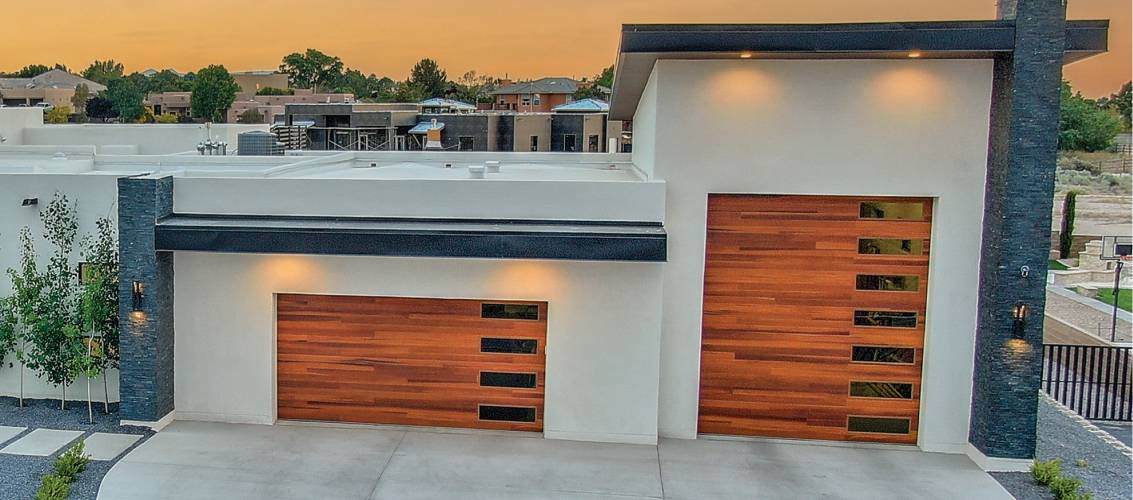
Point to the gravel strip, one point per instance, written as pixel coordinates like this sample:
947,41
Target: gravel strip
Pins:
20,475
1107,474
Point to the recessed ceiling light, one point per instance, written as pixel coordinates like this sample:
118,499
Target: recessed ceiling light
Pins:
745,55
914,54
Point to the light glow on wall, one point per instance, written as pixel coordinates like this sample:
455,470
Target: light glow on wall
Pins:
911,89
291,273
742,86
527,279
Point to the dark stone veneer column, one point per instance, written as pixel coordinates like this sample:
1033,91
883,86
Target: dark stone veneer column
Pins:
1023,146
146,378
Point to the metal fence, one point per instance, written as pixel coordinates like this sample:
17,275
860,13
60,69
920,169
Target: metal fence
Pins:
1091,380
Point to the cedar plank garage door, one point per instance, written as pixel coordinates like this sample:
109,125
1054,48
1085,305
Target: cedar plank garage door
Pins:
411,361
813,321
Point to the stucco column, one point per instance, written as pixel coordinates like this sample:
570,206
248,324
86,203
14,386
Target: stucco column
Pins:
1023,146
146,320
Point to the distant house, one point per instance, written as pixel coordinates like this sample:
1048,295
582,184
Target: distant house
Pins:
537,96
55,87
252,81
442,105
584,106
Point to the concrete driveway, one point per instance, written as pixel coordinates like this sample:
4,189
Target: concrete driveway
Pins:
194,460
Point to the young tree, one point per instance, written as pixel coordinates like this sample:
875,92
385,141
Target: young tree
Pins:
428,76
79,100
213,93
1066,233
100,108
603,79
24,306
312,70
1084,125
99,303
58,114
251,116
125,98
473,87
103,71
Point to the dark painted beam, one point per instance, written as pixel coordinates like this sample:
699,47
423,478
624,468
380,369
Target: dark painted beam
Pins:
507,239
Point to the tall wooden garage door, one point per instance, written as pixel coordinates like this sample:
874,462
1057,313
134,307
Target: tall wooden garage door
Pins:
814,313
411,361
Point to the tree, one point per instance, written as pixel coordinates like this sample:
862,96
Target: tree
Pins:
79,100
1066,233
1122,102
24,306
1084,125
166,81
312,69
58,114
214,91
99,302
31,70
473,87
409,92
593,90
125,98
103,71
100,108
251,116
429,78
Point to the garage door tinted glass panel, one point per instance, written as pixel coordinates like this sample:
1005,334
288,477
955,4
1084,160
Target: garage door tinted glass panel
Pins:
890,246
509,311
887,283
889,319
500,379
507,413
870,354
884,425
892,210
509,346
890,390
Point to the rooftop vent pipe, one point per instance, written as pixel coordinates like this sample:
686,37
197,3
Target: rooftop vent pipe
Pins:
492,166
475,171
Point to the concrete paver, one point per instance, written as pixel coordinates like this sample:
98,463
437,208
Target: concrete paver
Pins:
41,442
8,432
107,446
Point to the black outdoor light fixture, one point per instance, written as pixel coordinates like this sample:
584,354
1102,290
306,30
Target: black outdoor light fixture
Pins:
139,290
1019,313
29,202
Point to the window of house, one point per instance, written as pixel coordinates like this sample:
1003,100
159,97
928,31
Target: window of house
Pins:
507,413
568,143
887,283
466,143
885,390
890,246
535,143
892,210
879,354
883,425
509,311
537,99
508,346
505,379
592,144
526,101
889,319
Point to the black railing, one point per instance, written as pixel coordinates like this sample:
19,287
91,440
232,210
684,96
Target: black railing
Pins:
1091,380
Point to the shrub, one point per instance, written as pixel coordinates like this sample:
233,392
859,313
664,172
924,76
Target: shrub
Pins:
275,91
1066,235
53,487
58,114
166,118
1066,488
1045,472
72,462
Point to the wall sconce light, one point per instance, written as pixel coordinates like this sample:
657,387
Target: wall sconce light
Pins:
1019,313
914,54
745,55
139,291
29,202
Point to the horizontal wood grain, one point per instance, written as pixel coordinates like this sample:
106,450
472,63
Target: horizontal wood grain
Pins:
405,361
778,323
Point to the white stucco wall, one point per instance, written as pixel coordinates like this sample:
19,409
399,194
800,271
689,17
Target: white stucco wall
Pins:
910,128
95,196
13,121
603,329
149,138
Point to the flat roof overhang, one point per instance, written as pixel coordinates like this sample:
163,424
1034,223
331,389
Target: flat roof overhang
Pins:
643,44
470,238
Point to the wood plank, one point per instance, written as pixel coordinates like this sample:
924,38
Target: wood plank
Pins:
780,291
397,360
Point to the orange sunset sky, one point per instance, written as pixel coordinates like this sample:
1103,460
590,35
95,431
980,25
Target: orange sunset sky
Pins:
514,37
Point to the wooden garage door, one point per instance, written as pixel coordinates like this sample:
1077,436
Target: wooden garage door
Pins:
814,313
411,361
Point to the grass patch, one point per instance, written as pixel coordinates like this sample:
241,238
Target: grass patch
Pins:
1125,298
1055,265
1049,473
